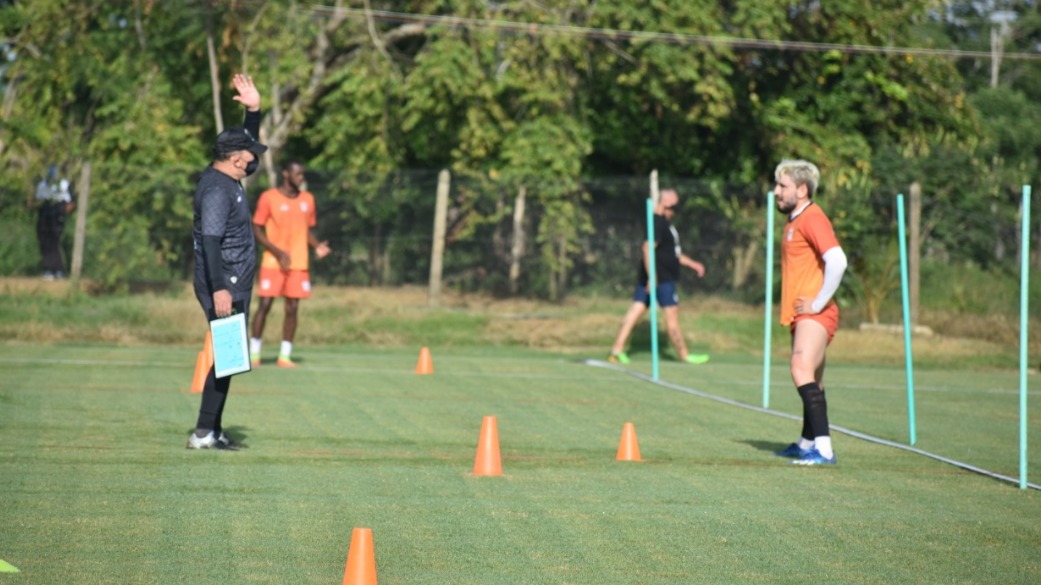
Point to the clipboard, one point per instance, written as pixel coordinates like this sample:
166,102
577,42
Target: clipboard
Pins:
230,345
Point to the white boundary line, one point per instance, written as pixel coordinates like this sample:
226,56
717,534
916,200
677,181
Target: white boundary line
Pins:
852,433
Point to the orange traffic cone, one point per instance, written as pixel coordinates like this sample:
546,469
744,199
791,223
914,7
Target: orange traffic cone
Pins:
425,365
628,447
201,371
207,350
203,363
488,461
361,559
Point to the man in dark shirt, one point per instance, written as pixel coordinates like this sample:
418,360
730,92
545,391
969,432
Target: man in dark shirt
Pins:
668,258
225,251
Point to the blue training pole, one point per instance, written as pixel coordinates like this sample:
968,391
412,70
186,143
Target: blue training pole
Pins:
652,288
908,360
768,301
1024,279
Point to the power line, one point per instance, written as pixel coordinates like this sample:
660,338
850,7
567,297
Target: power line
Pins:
714,41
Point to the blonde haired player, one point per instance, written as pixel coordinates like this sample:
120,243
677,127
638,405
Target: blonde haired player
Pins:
812,265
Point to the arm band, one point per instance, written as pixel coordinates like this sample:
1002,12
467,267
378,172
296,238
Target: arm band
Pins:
212,263
834,267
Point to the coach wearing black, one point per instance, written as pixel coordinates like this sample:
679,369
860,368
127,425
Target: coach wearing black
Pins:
225,251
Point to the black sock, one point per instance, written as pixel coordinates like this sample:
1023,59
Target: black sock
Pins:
815,411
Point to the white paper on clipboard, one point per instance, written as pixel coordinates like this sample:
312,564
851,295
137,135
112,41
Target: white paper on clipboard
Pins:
230,345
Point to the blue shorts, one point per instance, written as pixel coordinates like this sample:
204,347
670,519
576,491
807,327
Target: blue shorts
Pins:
667,295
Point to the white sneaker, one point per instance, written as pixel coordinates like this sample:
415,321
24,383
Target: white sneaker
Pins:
207,442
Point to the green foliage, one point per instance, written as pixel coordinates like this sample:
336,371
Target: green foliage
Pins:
19,254
124,86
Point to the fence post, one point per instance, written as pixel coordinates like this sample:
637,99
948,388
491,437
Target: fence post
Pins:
914,253
438,249
517,250
79,236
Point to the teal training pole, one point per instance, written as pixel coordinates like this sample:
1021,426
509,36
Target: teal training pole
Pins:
908,360
652,288
1024,279
768,301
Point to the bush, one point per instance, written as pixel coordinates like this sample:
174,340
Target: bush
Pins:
19,252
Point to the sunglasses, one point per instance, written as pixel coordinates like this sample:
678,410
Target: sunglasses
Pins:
673,207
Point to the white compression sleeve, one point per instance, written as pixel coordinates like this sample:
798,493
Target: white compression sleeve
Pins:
834,268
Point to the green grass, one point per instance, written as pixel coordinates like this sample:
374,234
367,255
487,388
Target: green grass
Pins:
96,487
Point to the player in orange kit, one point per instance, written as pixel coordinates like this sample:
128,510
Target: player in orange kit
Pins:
812,265
283,223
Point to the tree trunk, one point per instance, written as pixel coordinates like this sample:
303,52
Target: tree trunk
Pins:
211,52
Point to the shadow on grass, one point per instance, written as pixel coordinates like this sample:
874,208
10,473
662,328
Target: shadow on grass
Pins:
768,446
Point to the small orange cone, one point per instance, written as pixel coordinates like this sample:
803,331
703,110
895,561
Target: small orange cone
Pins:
425,365
361,559
628,447
488,461
201,371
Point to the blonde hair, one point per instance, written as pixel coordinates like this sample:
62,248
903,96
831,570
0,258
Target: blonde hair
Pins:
802,172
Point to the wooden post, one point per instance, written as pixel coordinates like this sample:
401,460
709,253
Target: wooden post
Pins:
438,248
79,236
517,250
655,195
914,249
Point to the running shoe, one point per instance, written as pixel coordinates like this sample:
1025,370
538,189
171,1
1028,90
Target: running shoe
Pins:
793,451
207,442
814,457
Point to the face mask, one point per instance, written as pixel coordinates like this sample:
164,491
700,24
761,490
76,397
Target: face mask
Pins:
252,166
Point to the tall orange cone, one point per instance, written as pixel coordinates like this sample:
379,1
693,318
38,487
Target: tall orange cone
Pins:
628,447
203,363
201,371
425,365
207,350
488,461
361,559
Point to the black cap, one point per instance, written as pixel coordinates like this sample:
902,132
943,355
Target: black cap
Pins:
234,139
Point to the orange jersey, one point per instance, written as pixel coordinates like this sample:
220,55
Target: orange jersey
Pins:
287,223
806,238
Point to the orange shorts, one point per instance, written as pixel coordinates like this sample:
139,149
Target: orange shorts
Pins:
293,284
829,318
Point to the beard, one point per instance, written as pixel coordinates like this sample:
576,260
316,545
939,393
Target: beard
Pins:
785,206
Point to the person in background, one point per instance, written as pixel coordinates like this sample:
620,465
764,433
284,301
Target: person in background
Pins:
225,251
812,265
668,258
283,223
53,203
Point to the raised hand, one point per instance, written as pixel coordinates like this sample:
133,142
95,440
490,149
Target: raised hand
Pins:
248,95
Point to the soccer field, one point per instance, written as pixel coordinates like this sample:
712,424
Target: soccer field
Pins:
96,486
